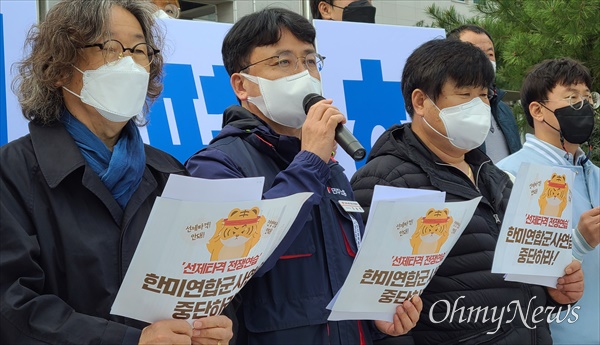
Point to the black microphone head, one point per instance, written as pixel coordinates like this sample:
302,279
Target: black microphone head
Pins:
310,100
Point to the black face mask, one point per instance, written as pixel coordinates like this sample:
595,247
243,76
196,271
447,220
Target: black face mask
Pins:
359,11
576,126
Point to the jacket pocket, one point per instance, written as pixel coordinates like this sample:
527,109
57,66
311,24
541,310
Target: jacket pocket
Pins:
303,245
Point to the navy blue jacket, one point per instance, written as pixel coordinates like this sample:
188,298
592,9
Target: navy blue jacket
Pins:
285,302
506,121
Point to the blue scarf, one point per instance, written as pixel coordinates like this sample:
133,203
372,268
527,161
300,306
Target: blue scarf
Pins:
121,170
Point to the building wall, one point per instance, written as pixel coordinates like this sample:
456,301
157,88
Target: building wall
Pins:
394,12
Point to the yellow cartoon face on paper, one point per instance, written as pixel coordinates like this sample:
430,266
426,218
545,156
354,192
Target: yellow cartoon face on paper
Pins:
431,232
236,235
554,196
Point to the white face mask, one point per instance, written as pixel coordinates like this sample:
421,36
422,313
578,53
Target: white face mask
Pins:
467,125
161,14
116,90
494,65
281,99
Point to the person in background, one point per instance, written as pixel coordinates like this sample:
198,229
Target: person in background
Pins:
273,65
445,85
343,10
77,191
503,138
559,105
167,8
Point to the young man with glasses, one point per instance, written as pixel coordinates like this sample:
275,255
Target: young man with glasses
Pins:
271,59
559,104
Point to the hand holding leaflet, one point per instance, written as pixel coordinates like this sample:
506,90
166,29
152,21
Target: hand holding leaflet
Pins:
405,241
534,245
194,256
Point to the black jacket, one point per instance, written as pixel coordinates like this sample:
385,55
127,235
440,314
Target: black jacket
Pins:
400,159
65,242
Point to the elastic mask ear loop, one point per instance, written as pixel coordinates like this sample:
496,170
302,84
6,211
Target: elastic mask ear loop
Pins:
562,139
430,126
73,93
589,153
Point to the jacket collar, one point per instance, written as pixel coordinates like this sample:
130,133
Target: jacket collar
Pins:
400,141
240,122
59,156
418,152
555,155
497,97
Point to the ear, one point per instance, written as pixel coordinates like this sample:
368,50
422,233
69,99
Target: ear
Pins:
64,79
536,111
237,84
418,99
430,211
325,10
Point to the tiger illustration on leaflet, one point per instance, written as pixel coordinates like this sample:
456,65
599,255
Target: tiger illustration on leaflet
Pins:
236,235
432,232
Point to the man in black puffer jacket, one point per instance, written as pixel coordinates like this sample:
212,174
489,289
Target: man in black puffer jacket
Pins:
445,87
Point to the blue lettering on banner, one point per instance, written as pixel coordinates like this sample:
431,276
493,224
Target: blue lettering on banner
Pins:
371,102
3,90
179,87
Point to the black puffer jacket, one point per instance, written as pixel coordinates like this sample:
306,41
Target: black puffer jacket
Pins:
400,159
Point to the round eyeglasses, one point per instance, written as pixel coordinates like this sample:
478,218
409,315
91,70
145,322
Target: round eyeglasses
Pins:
112,50
288,62
576,101
172,10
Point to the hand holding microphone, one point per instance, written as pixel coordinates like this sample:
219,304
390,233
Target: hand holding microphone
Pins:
343,136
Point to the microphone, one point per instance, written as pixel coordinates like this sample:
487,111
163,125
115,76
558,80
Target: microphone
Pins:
343,137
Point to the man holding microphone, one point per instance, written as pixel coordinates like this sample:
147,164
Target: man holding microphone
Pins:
273,65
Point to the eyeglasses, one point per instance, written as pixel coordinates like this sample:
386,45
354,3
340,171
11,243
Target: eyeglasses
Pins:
172,10
576,100
288,62
112,50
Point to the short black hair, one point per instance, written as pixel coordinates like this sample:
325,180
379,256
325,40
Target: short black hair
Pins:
314,7
542,78
437,61
455,33
260,29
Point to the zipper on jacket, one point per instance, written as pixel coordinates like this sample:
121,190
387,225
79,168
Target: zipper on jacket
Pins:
497,218
349,249
120,256
361,334
477,175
